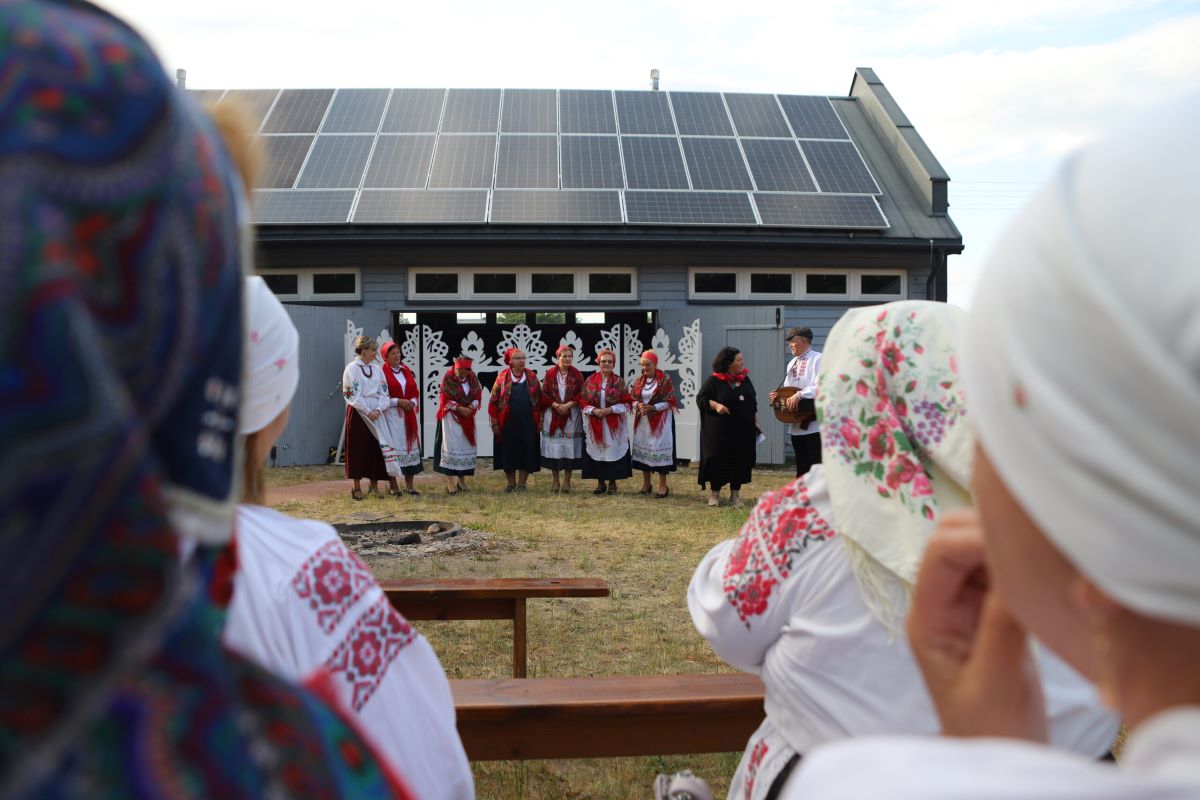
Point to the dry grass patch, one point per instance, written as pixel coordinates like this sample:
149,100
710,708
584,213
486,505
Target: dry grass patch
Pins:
645,548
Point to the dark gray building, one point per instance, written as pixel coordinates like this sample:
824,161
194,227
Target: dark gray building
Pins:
466,220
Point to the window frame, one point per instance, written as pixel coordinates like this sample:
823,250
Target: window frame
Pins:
799,291
466,284
304,284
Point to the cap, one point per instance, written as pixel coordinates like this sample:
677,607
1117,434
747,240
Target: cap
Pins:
792,333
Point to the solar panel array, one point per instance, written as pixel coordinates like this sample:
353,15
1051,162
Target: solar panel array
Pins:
546,156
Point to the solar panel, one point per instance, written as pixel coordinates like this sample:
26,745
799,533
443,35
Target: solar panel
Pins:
689,208
716,164
820,211
591,162
653,162
414,111
701,114
812,117
336,162
644,113
403,206
356,111
298,111
284,156
471,111
556,207
586,111
206,96
463,162
400,162
838,167
527,162
289,206
530,111
757,115
777,165
256,102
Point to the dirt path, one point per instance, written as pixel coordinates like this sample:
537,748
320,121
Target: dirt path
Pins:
320,490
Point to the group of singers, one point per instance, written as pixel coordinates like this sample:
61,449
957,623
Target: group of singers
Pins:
564,422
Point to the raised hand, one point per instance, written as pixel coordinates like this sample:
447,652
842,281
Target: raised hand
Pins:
974,655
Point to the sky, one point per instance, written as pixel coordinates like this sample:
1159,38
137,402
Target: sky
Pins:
1000,91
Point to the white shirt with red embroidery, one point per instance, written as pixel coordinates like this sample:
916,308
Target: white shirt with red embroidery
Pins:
1161,761
802,373
781,601
303,603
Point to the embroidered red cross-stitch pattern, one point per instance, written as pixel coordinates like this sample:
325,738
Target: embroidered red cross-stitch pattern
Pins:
331,581
363,657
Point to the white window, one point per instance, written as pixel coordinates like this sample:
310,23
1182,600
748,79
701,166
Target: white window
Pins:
526,283
315,283
813,284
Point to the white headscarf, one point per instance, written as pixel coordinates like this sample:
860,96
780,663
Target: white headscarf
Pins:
895,447
272,365
1083,361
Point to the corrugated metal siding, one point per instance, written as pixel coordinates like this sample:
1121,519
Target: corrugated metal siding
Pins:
318,408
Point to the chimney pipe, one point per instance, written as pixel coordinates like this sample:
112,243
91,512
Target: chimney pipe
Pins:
181,78
654,80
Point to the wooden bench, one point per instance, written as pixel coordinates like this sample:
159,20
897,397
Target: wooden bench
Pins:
486,598
607,716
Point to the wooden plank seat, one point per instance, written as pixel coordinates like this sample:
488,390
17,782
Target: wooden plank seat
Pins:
607,716
486,598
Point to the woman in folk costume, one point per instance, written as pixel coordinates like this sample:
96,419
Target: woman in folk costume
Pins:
562,422
401,416
654,404
368,448
728,427
605,402
305,607
126,243
454,448
812,594
514,408
1082,364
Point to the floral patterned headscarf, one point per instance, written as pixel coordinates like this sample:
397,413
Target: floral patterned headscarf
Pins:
895,443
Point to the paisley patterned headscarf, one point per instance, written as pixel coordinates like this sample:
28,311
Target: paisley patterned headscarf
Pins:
120,357
896,447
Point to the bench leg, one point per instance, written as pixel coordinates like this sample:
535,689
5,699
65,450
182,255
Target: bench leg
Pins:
519,637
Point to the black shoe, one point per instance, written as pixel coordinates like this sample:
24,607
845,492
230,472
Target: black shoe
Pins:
599,489
509,489
356,494
521,487
413,492
667,493
612,489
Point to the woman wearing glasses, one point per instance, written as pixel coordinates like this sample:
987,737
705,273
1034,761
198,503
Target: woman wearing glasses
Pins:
605,401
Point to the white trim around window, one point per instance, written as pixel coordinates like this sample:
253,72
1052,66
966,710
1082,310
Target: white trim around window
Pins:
578,287
314,283
776,283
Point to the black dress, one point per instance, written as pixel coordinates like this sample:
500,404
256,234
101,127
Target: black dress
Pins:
519,447
727,446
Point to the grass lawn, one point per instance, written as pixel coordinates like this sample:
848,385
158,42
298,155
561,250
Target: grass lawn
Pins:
645,548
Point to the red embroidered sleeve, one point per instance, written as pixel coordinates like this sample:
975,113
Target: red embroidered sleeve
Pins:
782,526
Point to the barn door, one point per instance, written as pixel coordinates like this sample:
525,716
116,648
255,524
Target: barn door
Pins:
763,348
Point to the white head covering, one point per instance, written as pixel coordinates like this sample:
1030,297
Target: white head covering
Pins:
272,366
1083,361
895,447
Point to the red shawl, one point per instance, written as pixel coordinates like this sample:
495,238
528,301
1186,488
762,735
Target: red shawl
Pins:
663,393
550,394
409,392
498,406
730,378
616,395
452,392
